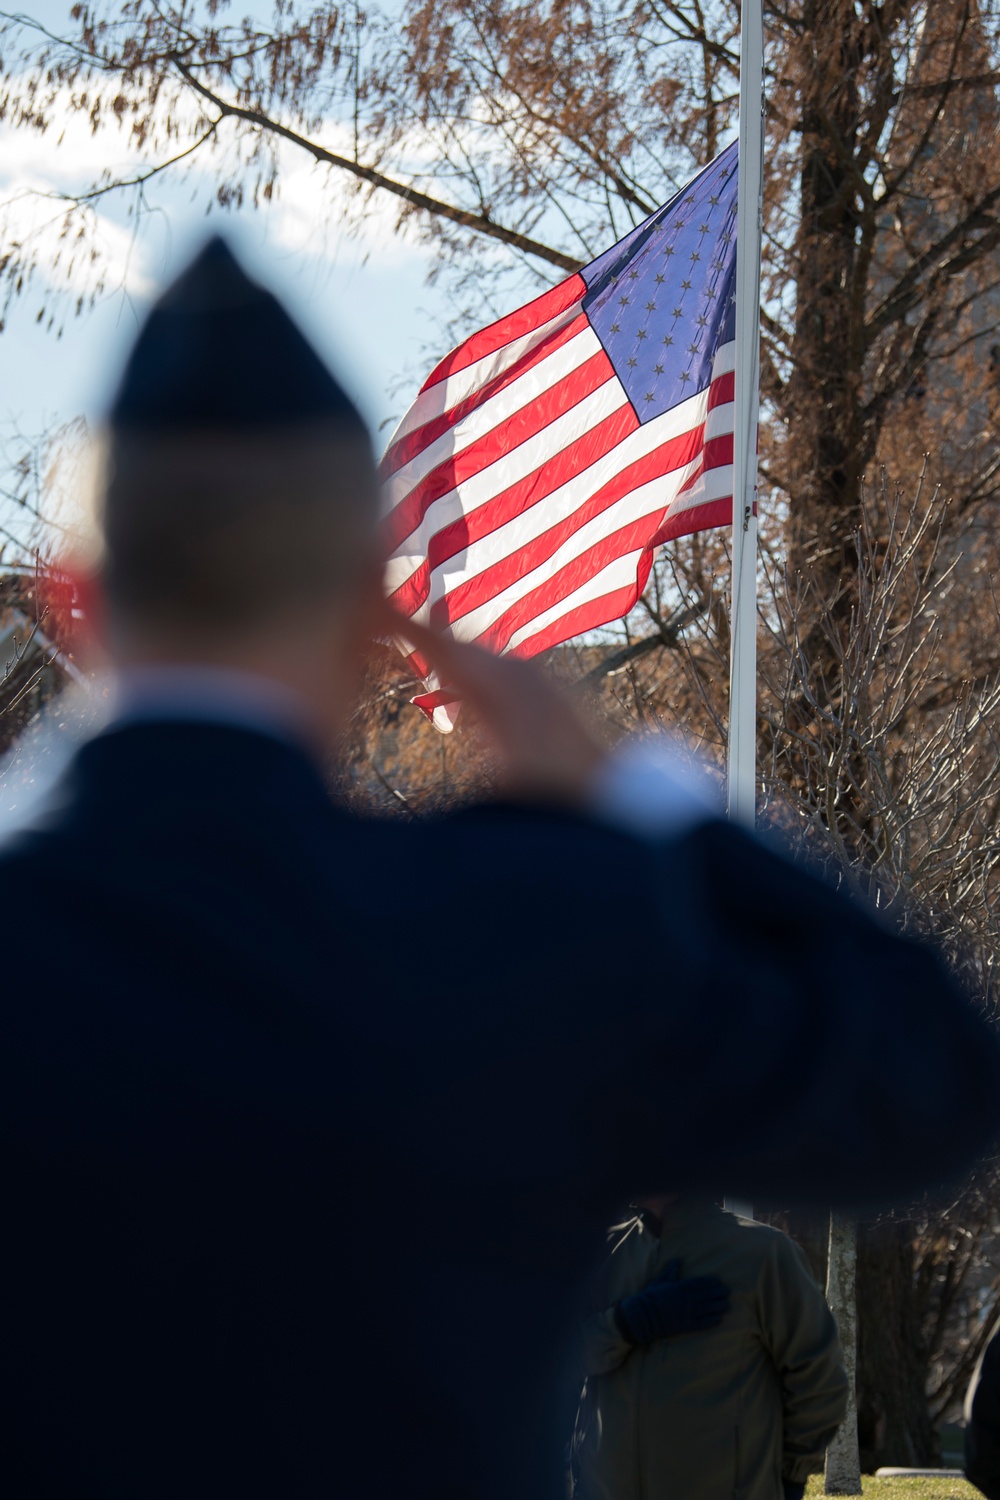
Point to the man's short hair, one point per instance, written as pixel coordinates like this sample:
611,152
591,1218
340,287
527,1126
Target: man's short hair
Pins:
225,531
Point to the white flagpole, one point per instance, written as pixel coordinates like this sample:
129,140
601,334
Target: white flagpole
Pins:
741,762
741,769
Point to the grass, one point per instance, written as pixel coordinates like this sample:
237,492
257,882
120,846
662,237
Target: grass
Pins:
905,1489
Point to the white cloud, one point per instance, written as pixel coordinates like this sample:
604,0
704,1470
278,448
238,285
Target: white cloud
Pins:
314,212
37,172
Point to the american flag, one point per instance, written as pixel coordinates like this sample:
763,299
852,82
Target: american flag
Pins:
547,458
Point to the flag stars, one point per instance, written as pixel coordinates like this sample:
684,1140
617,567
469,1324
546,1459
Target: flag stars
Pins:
688,254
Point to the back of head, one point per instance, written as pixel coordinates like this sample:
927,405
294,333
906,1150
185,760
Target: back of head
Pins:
239,482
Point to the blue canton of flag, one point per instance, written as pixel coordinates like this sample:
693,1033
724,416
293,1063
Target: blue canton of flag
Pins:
663,299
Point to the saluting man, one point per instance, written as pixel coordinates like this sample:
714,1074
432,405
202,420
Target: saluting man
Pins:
309,1120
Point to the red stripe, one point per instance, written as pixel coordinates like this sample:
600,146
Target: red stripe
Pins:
697,518
674,454
538,413
608,607
513,326
722,389
421,666
407,599
569,578
430,701
420,438
719,451
590,616
534,489
717,455
593,445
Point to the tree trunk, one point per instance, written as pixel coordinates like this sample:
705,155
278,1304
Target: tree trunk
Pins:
894,1422
825,454
843,1462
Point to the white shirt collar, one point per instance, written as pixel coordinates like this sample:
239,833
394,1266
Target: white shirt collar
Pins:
211,695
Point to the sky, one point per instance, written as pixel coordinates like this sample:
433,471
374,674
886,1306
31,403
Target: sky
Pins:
362,296
374,319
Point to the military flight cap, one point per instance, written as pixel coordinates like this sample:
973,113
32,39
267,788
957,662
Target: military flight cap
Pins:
218,351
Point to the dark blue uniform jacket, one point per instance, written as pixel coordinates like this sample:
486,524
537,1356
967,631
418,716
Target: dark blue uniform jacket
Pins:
312,1125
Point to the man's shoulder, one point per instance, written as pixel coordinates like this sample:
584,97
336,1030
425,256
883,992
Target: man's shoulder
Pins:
528,851
582,832
777,1260
514,824
762,1242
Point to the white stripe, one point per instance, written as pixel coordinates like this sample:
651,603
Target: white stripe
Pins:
498,476
445,717
567,498
618,574
656,495
719,422
714,484
724,360
505,404
490,414
484,487
448,392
